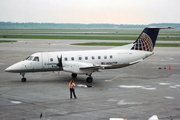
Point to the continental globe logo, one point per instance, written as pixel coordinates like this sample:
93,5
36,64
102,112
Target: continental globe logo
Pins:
144,43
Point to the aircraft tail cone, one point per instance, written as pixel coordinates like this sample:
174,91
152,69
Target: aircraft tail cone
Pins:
169,67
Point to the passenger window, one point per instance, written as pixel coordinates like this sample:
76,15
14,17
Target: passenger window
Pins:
72,58
51,59
105,57
80,58
99,57
93,57
65,59
36,59
111,56
86,58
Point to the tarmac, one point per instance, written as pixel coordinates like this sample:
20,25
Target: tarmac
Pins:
135,93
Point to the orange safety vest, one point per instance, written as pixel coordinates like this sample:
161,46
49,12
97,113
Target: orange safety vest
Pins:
70,85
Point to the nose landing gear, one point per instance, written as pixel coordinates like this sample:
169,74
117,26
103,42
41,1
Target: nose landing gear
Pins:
23,79
74,75
89,79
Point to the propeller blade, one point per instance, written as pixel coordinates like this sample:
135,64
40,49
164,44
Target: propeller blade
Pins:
60,63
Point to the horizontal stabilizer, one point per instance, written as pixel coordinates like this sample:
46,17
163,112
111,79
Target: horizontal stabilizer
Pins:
134,62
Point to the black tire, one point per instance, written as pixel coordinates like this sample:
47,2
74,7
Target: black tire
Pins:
89,80
23,80
74,75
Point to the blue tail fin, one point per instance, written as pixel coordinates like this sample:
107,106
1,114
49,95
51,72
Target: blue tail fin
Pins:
147,39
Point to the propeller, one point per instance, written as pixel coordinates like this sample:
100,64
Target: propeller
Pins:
60,63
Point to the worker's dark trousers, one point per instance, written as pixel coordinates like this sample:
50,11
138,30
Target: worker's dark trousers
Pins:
72,91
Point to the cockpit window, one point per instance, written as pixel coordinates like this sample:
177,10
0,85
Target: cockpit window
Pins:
36,59
29,58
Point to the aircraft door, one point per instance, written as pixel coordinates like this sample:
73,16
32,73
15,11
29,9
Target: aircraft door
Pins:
45,60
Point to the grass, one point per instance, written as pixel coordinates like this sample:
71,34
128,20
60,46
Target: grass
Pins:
21,31
101,44
4,41
167,45
69,37
120,44
85,37
86,34
115,31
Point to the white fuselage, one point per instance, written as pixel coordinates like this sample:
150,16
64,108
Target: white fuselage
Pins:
79,62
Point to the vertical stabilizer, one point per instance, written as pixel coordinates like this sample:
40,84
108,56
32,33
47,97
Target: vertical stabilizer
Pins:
147,39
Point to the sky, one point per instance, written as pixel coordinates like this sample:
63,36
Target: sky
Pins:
90,11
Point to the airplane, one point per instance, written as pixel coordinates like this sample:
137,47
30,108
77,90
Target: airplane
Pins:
154,117
89,61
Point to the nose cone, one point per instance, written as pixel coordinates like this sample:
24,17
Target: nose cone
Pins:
10,69
16,68
7,69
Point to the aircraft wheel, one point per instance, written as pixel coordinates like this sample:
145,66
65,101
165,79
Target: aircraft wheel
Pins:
23,80
74,75
89,80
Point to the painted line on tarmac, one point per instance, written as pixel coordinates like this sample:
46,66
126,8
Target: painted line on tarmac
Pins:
175,86
21,98
114,78
171,86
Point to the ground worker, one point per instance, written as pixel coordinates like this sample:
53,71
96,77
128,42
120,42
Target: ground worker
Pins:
72,90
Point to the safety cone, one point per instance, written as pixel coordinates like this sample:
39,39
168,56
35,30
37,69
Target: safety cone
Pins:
169,67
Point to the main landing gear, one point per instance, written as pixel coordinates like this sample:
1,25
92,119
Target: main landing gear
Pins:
23,79
88,80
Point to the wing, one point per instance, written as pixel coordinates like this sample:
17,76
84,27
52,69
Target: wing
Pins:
95,67
81,67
